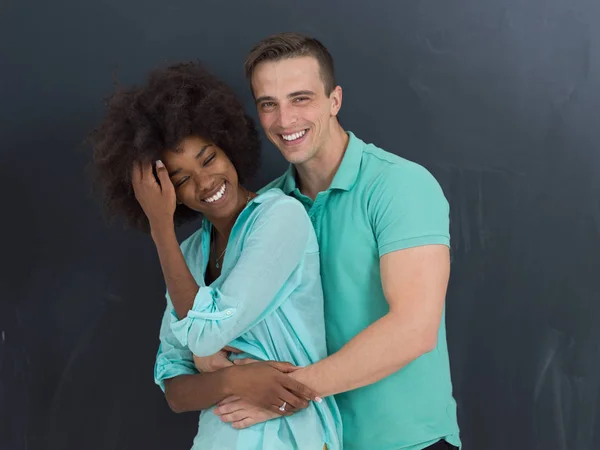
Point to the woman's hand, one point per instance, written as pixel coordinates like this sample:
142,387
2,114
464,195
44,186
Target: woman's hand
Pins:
157,200
265,384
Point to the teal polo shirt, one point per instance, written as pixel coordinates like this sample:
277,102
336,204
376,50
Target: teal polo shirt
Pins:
378,203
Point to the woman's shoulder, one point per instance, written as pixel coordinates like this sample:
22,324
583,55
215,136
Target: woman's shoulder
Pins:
275,201
284,217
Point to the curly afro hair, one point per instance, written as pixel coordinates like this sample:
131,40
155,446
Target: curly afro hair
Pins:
143,122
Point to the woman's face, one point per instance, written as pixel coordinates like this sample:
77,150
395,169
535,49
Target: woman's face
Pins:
204,178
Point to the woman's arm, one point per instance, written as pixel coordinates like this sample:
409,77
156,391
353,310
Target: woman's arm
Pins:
268,270
158,202
261,384
185,389
181,285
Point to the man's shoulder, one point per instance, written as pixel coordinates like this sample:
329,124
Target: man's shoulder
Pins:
384,167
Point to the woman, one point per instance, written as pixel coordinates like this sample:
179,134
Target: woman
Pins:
248,279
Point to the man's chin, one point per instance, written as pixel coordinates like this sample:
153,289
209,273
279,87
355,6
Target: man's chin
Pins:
295,157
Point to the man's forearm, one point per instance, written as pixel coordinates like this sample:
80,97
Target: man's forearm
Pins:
378,351
196,392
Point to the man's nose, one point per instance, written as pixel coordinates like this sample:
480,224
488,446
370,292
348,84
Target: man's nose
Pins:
287,116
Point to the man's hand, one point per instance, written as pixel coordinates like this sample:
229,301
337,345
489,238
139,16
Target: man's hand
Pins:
157,200
282,366
219,360
212,363
264,385
242,414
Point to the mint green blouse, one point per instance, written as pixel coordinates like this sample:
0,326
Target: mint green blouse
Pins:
268,302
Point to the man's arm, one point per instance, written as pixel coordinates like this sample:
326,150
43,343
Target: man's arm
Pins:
414,282
410,219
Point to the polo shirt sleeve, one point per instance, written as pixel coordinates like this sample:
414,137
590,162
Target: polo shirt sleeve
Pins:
266,273
172,359
408,209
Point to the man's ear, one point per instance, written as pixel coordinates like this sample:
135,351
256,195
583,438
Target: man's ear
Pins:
336,100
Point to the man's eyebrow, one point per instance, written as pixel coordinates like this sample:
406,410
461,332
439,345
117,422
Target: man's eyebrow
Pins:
269,98
297,93
264,98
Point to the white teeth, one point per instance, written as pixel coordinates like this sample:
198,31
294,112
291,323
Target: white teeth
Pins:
217,196
293,137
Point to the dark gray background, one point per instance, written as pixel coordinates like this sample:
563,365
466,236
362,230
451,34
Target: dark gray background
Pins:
499,99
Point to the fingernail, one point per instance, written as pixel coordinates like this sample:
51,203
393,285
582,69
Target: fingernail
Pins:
318,399
159,163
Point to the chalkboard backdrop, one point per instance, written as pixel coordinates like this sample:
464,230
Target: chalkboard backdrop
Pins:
499,99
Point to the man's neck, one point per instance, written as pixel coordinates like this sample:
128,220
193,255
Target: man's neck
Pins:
316,175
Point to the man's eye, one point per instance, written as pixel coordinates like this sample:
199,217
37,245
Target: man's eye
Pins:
300,99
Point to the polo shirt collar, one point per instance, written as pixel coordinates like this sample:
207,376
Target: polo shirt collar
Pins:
347,173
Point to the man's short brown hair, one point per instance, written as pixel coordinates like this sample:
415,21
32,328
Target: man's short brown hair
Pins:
292,45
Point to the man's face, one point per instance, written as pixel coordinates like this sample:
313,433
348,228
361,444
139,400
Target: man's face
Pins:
293,109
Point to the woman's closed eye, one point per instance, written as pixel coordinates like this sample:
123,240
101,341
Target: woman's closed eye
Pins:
206,162
210,159
180,182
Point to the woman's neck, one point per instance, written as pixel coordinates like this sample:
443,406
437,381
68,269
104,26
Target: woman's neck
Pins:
223,225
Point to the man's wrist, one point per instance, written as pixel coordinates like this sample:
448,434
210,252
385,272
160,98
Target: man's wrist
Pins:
301,375
312,377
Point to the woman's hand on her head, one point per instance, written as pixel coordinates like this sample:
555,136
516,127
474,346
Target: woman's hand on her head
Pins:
157,200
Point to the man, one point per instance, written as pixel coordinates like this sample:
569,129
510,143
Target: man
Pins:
382,225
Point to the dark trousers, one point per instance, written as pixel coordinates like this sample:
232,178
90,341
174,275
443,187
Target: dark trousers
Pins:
441,445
